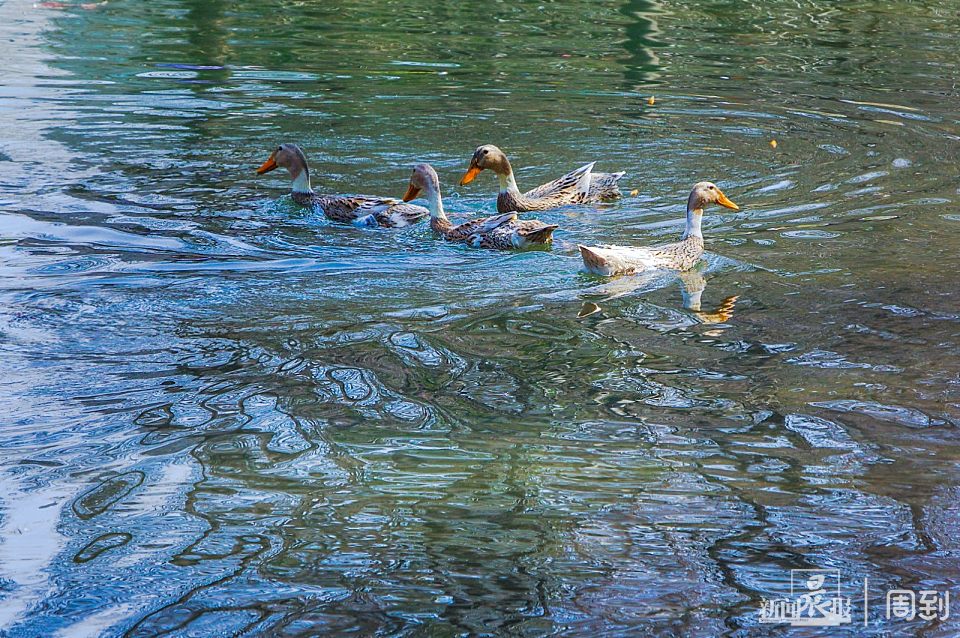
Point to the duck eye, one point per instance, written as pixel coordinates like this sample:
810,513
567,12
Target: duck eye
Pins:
713,188
485,151
279,148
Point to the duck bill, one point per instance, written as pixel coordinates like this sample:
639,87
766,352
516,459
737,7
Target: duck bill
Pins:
470,175
724,201
269,165
412,193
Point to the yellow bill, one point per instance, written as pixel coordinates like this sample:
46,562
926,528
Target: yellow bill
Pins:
470,175
269,165
724,201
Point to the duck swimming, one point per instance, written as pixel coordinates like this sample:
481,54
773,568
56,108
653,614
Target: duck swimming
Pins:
363,210
581,186
501,232
682,255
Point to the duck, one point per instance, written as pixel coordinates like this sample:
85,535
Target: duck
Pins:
362,210
582,186
499,232
608,261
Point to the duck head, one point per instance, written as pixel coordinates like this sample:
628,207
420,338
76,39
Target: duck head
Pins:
424,179
706,193
290,157
702,195
486,156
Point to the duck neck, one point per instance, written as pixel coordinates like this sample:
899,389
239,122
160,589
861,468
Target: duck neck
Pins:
694,217
301,179
508,184
435,203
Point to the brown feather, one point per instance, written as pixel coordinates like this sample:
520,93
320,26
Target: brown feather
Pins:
591,258
561,192
389,213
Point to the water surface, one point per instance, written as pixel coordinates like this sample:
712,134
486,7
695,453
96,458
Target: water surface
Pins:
227,416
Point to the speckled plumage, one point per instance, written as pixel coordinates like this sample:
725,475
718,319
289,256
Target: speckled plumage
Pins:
623,260
581,186
572,188
604,186
367,210
385,211
682,255
498,232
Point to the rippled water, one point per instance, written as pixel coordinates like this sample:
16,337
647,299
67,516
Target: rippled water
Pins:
225,416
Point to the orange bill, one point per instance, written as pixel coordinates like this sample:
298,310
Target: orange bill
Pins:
469,176
724,201
412,192
269,165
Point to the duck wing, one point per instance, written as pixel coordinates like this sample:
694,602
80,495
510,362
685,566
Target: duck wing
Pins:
480,226
349,208
575,184
618,260
401,214
515,234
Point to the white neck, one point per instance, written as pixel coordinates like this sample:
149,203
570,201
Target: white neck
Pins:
301,183
508,184
694,218
435,203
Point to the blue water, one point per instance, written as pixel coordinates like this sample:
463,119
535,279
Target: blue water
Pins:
227,416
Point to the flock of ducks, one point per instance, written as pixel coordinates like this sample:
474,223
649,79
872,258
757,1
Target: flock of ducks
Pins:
505,230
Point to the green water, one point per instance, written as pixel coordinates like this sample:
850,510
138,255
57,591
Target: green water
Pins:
226,416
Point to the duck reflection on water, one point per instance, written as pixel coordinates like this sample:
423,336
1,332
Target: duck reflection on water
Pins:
692,285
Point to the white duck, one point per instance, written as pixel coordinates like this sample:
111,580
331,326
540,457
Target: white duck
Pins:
682,255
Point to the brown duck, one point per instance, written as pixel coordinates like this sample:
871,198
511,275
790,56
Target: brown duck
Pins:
501,232
581,186
363,210
681,255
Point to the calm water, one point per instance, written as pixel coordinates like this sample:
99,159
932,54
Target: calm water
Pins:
224,416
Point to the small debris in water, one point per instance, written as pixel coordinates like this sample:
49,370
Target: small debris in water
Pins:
588,309
651,100
634,192
773,143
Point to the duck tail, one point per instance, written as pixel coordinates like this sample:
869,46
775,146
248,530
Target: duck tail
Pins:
594,261
542,235
604,185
